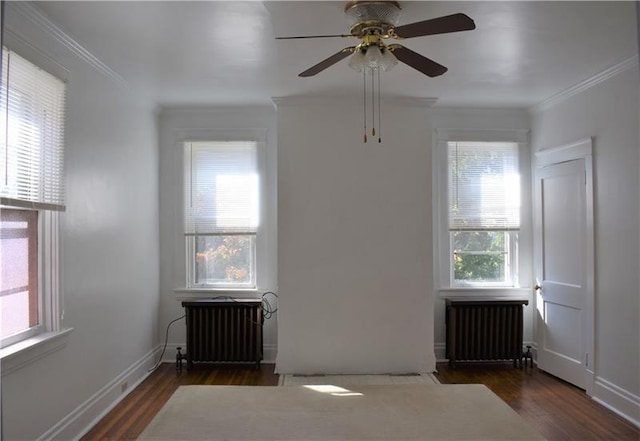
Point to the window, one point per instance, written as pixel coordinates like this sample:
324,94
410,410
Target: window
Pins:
221,213
484,212
482,231
31,194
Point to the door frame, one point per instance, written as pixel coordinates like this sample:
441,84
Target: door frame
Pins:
582,149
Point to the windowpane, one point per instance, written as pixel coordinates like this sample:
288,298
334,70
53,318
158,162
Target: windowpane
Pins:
15,313
483,241
480,256
15,262
222,188
224,260
32,106
19,271
484,186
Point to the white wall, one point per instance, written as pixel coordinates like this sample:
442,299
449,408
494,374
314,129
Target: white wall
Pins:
354,239
608,112
110,248
176,125
513,124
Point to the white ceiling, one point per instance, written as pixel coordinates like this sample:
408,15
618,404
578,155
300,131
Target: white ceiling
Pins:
213,52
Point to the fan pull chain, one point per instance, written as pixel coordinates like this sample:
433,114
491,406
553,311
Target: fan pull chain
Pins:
364,94
379,110
373,101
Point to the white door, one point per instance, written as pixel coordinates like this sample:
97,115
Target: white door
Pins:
561,244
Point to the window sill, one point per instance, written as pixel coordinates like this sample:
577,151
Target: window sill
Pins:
507,292
199,293
20,354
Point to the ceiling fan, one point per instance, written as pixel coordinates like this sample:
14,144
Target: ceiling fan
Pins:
373,21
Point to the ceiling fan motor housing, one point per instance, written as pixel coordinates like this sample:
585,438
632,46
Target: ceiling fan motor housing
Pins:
372,17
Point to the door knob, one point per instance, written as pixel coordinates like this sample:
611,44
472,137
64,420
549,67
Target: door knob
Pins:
537,287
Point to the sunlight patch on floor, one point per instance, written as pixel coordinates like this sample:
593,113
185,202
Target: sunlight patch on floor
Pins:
351,380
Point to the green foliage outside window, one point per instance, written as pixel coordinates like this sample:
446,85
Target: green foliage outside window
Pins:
223,259
479,255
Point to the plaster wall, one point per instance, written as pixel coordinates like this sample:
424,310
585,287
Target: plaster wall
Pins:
109,232
354,239
608,113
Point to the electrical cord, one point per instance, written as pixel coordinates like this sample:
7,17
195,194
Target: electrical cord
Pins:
267,308
166,339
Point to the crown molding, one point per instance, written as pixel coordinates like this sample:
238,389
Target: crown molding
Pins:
584,85
214,109
35,16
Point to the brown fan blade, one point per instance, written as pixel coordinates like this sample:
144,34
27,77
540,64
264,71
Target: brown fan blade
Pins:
441,25
314,36
417,61
333,59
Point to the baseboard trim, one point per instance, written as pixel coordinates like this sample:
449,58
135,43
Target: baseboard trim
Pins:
84,417
440,350
269,352
618,400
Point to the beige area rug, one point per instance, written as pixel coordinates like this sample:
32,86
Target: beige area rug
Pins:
350,380
316,412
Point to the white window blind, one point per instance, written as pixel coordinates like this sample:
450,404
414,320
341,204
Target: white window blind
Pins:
32,104
484,186
221,188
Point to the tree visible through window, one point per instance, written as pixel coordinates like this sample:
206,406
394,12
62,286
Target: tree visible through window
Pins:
224,259
484,212
221,213
480,256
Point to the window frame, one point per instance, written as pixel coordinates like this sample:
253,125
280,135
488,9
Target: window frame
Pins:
511,270
20,349
260,251
49,294
443,250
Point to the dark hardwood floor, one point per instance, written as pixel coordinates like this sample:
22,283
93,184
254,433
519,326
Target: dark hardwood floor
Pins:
130,417
556,409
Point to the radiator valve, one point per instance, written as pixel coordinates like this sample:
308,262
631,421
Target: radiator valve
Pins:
527,356
179,358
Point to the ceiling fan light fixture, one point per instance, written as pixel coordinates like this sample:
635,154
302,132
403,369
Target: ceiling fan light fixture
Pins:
387,60
373,55
371,58
358,61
